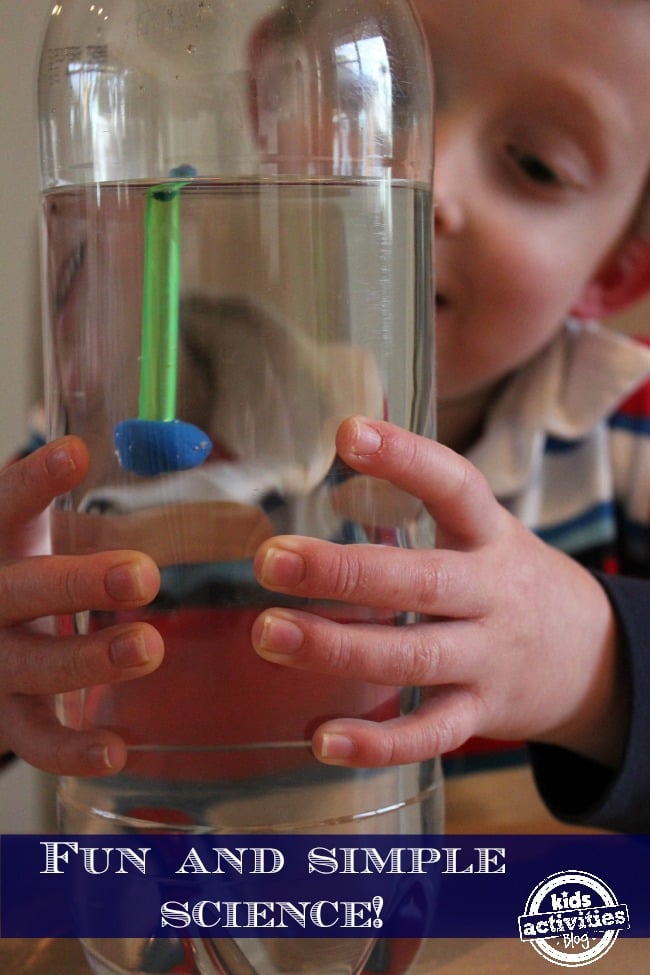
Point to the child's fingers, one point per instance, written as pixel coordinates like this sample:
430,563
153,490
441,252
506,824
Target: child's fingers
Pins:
52,585
29,728
401,656
32,663
444,721
30,484
453,490
424,581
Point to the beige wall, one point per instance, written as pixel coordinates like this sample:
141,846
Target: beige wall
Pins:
21,27
25,795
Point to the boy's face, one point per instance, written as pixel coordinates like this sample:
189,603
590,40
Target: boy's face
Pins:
542,150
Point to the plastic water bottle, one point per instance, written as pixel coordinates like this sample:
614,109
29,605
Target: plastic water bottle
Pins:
237,255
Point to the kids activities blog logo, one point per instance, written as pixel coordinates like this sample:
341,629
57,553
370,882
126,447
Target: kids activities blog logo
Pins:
572,919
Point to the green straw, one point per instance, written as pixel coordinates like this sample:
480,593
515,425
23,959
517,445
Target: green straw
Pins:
160,303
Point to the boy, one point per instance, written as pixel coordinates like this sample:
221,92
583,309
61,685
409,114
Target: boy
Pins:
542,159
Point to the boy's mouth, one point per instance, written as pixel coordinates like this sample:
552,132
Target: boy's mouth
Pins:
442,301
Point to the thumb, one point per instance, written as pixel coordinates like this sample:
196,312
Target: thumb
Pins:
454,492
29,485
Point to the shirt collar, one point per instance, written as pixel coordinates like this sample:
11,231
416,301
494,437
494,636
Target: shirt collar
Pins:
564,392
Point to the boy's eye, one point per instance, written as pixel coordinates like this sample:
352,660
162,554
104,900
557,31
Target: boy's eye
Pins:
533,167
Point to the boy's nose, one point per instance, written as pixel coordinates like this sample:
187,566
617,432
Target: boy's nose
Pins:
448,214
451,177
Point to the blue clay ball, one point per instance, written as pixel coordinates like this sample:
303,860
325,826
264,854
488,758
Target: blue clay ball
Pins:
152,447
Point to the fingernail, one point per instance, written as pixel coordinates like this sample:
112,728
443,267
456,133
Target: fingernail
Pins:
279,636
367,440
99,757
124,582
336,747
129,650
59,462
282,567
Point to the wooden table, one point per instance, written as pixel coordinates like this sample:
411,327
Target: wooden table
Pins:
488,802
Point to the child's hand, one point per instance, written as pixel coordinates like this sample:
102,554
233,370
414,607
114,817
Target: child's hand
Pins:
518,640
35,663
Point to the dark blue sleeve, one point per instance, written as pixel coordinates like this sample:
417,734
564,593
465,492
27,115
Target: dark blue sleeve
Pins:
579,791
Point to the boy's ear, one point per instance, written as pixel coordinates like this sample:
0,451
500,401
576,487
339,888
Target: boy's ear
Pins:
623,279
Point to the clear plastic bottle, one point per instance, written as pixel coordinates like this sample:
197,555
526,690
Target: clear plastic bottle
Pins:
237,254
